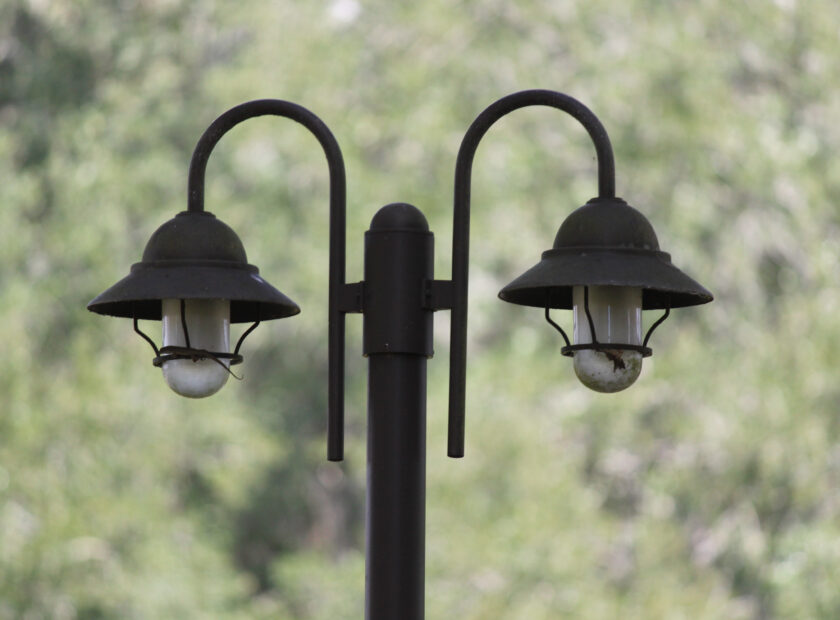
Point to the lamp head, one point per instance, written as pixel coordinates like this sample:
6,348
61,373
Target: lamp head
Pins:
606,265
195,276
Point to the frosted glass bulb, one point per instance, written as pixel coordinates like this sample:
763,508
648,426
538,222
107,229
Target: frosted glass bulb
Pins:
617,315
208,325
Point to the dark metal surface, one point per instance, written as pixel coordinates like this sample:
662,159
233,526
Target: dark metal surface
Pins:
397,340
658,322
606,242
396,487
338,235
606,223
244,336
461,230
556,326
439,295
146,338
570,350
559,271
196,256
169,353
398,254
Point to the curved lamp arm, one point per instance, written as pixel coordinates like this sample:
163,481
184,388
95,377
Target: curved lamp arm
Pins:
461,228
338,201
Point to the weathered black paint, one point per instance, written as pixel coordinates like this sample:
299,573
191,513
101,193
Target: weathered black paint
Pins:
399,253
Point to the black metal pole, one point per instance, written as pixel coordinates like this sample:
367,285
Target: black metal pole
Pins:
399,252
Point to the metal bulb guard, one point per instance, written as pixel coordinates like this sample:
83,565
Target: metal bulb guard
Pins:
171,352
570,349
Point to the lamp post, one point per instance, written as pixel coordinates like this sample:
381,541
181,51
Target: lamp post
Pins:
605,265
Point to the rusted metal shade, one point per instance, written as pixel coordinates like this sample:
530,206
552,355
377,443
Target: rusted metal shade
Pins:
606,242
194,256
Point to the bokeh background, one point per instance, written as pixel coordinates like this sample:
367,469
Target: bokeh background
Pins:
709,490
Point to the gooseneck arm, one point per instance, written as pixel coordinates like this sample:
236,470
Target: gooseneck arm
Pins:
461,228
338,201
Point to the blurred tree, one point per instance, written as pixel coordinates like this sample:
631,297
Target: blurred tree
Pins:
709,490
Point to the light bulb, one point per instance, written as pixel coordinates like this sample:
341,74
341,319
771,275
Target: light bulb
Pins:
617,316
208,326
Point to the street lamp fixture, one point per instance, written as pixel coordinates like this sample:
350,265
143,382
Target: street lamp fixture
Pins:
605,266
195,277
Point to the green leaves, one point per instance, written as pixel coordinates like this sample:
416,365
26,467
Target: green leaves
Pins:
708,490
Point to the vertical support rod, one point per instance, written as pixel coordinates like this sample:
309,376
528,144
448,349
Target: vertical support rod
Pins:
399,252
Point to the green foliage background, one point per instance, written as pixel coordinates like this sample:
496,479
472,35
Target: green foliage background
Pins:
710,490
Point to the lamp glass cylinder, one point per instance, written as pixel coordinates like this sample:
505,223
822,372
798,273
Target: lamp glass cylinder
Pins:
616,313
208,325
